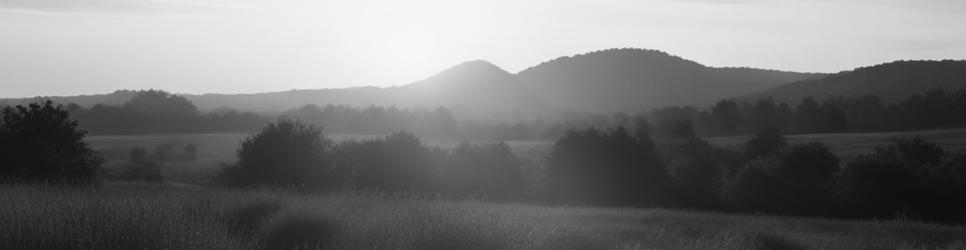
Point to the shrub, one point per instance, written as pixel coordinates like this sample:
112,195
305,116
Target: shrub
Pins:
287,153
164,152
606,168
398,162
798,181
40,142
912,178
767,142
875,186
490,170
141,168
696,167
753,188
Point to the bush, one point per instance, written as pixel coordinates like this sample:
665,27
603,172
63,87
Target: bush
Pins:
876,186
798,181
40,142
286,153
911,178
398,162
606,168
753,189
490,170
767,142
141,168
696,168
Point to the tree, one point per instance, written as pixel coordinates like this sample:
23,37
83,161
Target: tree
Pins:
398,162
767,142
726,118
287,153
809,116
696,169
141,168
606,168
40,142
804,175
490,170
875,186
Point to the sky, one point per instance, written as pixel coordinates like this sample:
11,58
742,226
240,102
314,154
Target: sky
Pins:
71,47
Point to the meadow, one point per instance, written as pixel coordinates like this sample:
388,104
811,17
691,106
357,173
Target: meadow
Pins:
150,216
218,148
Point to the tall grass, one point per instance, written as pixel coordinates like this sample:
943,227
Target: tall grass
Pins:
149,216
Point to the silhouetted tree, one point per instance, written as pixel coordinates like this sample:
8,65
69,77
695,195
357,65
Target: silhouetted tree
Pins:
490,170
606,168
767,142
753,188
835,120
40,142
726,117
809,116
911,178
398,162
804,176
141,167
695,168
876,186
287,153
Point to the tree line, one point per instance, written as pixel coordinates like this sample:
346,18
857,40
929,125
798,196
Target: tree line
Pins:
622,166
625,167
934,109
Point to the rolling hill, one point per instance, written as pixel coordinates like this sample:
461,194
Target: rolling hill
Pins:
604,81
638,80
891,82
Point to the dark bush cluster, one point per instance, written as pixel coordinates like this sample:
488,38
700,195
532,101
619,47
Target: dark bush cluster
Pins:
606,168
286,153
933,109
158,112
141,167
490,170
292,154
618,167
40,143
911,178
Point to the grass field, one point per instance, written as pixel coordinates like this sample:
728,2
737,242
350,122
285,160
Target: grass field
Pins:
215,149
144,216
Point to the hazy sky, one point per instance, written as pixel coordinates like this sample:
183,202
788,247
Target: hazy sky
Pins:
68,47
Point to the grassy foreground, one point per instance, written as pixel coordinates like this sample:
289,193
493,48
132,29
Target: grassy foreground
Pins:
145,216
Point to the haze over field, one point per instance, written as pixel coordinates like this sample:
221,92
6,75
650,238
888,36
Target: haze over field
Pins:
472,124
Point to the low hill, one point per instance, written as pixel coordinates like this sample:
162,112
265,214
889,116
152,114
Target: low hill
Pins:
638,80
604,81
891,82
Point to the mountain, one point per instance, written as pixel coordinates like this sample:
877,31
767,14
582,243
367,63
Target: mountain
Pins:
475,89
891,82
604,81
478,87
638,80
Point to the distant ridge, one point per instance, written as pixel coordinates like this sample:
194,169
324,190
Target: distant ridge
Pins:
639,80
892,82
605,81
